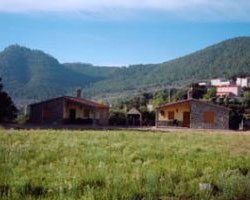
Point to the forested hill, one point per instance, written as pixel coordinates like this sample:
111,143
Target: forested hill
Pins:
31,75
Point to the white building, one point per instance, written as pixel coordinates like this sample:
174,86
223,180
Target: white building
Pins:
229,91
243,82
203,84
220,82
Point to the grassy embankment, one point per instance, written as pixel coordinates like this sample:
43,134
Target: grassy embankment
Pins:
123,165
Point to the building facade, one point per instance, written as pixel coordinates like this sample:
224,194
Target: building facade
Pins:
220,82
243,82
229,91
194,114
69,110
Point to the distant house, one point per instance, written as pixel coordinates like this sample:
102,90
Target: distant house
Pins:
229,91
68,109
243,81
205,84
194,114
220,82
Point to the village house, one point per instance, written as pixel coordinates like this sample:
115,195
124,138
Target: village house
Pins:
243,81
220,82
229,91
194,114
229,88
205,84
68,109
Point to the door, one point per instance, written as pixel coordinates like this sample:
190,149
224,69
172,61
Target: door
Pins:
186,119
72,114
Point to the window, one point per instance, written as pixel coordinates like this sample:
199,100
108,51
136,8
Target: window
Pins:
72,114
208,117
162,113
171,115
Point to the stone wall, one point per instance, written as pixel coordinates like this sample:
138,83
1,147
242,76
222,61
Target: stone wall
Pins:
221,116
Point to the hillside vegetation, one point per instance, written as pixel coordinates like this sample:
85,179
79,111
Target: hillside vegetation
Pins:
49,164
33,75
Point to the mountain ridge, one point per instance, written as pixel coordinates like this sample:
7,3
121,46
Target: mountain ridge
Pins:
33,75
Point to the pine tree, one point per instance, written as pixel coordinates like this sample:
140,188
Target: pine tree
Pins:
8,111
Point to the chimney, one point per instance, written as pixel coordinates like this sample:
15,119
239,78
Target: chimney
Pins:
190,93
78,93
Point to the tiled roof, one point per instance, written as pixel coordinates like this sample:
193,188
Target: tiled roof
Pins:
133,111
174,103
77,100
194,100
86,102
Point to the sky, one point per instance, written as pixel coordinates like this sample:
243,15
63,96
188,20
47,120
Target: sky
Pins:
121,32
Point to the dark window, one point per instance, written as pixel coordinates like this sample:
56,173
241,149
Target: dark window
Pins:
72,114
162,113
171,115
208,117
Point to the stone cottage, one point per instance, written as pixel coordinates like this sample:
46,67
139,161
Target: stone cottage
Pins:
194,114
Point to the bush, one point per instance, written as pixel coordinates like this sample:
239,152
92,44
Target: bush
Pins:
148,118
117,119
8,111
235,119
22,119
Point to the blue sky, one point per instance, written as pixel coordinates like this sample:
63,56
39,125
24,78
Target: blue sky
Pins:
117,32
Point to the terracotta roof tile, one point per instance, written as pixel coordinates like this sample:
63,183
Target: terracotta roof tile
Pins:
77,100
194,100
86,102
133,111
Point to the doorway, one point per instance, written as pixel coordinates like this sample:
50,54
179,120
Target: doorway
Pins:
186,119
134,120
72,115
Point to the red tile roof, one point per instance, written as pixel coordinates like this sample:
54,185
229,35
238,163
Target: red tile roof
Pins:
192,100
133,111
86,102
77,100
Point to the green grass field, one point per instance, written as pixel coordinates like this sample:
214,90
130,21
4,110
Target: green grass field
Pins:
49,164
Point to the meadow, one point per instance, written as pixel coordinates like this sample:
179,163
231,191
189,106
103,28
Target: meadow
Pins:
136,165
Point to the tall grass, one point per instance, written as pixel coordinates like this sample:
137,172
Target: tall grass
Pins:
50,164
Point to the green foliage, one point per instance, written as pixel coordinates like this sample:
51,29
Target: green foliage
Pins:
120,109
22,118
180,94
159,99
117,119
139,101
246,98
198,91
8,111
235,118
148,118
63,164
33,75
210,94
